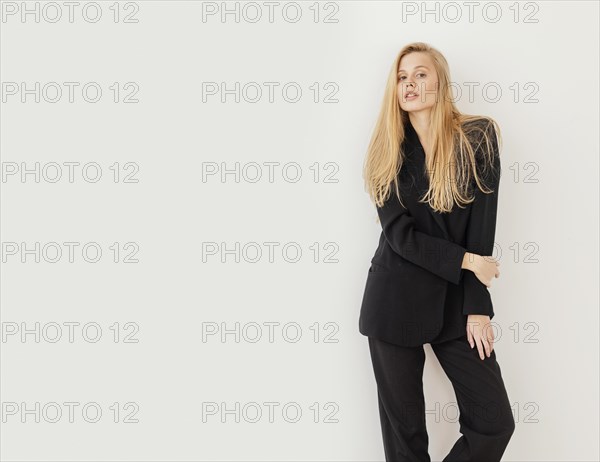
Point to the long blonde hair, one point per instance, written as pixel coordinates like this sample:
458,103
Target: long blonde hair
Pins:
447,125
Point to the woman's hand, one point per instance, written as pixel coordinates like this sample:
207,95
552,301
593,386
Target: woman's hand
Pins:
485,268
480,333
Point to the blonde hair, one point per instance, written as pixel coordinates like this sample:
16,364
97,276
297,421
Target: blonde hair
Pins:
448,127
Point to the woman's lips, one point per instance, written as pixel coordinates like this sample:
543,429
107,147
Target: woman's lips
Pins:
410,97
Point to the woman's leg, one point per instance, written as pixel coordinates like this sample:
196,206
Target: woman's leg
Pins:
486,419
399,376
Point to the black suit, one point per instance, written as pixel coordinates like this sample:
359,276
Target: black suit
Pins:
416,291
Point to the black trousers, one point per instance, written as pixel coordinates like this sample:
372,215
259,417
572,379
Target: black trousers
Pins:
486,420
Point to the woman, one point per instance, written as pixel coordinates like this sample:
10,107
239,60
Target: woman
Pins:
433,174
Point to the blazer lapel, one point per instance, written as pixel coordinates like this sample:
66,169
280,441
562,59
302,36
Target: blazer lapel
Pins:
418,156
440,221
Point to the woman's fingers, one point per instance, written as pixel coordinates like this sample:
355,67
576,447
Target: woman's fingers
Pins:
486,346
480,334
480,346
490,336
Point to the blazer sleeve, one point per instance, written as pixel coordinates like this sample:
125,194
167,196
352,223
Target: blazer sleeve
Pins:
481,230
439,256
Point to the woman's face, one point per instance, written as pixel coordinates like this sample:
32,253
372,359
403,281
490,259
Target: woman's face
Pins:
417,82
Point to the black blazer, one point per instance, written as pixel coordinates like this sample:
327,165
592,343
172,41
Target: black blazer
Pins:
415,283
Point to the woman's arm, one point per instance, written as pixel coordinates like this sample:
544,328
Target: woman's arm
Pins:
481,231
439,256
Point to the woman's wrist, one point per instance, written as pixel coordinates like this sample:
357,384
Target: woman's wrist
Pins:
468,262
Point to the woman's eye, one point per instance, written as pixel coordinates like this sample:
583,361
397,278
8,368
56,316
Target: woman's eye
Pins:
420,74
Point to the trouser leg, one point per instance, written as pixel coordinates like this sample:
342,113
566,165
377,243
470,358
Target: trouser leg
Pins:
399,376
486,419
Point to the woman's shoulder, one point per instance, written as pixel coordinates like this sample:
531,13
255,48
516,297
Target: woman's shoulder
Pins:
483,134
477,127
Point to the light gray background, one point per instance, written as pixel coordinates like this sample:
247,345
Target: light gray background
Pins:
546,300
